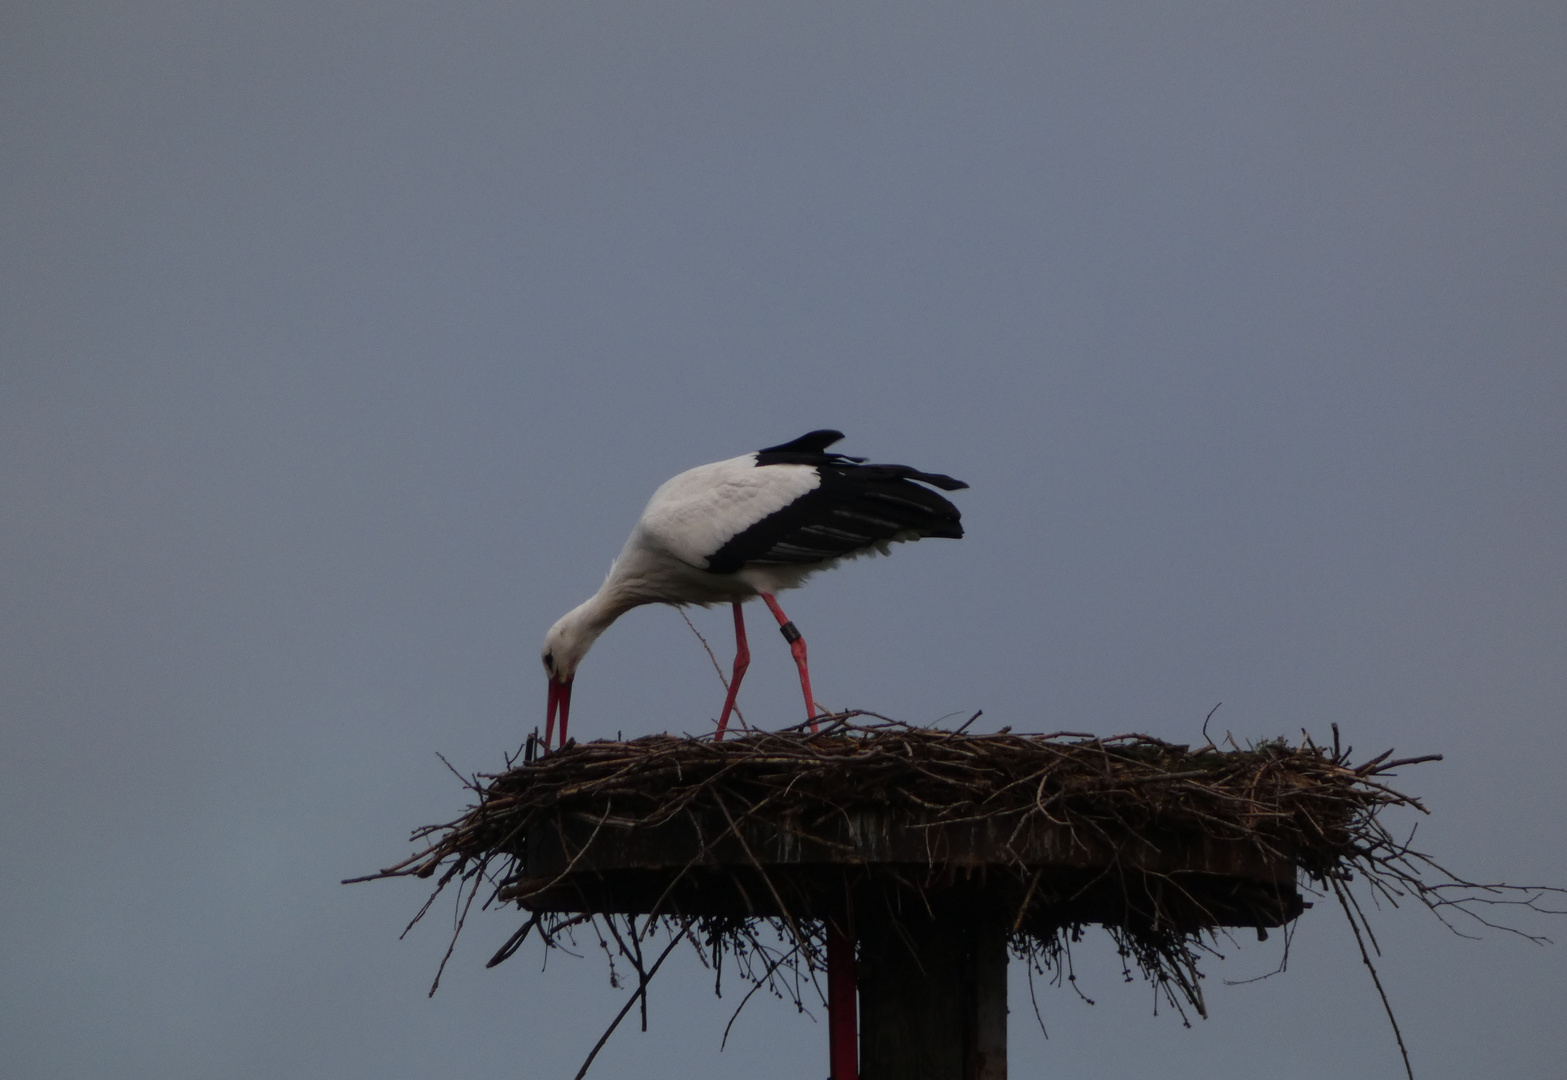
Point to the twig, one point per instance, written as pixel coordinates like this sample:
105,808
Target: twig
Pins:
710,655
1365,957
639,993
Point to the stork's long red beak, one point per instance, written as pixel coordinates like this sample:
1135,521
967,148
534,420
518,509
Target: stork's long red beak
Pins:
560,698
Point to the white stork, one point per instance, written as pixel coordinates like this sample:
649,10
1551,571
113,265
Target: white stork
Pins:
753,525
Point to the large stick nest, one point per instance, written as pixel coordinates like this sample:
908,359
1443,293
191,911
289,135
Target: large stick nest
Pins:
1304,805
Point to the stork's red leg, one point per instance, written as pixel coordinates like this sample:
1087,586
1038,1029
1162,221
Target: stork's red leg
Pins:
742,661
797,648
842,1027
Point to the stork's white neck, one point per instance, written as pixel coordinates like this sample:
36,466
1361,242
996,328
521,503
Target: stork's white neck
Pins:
575,632
594,615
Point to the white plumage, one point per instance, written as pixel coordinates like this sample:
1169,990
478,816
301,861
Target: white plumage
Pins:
749,526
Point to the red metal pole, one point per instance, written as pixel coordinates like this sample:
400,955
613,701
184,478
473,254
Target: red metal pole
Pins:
843,1034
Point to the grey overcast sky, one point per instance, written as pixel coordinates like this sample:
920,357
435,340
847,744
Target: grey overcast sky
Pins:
341,343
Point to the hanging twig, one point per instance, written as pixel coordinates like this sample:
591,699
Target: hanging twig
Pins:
639,993
1376,980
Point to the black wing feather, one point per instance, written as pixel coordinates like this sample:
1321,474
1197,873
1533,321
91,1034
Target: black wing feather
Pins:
856,507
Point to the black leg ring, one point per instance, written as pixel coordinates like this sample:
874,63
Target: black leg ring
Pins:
791,635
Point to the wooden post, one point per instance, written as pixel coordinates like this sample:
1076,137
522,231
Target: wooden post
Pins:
986,1056
933,997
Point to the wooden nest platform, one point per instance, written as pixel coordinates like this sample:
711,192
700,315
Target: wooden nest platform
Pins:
1058,829
1128,832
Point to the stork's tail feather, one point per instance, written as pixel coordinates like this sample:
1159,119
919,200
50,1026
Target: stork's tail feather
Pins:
940,480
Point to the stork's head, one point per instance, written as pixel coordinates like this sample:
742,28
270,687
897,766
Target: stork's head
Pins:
564,647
